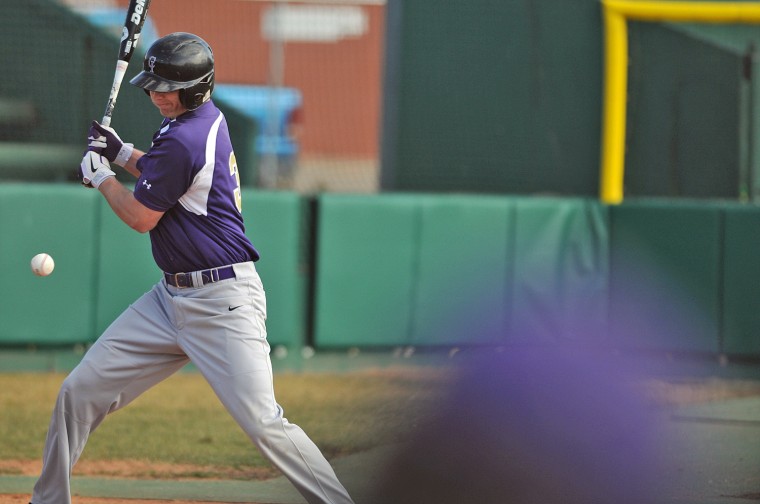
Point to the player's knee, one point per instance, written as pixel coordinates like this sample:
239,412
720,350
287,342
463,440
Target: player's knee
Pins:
70,393
79,392
262,428
276,422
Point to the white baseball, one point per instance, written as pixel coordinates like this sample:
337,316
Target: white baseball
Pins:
42,264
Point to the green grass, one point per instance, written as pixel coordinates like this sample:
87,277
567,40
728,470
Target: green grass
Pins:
182,421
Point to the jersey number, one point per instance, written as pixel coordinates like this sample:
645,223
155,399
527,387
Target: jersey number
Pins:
234,172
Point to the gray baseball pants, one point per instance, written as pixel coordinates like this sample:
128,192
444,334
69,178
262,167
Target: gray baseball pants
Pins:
220,328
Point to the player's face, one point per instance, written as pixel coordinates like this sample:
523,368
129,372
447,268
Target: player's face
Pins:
168,103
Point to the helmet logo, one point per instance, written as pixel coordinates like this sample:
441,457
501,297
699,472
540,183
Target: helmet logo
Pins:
152,64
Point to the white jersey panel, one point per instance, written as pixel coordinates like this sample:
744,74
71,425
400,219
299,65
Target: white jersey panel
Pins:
195,200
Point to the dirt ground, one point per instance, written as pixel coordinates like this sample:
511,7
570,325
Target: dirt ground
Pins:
139,469
125,469
694,391
24,499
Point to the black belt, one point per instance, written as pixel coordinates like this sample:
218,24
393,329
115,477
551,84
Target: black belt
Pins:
183,280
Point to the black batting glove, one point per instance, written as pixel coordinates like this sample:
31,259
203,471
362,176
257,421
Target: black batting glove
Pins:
105,141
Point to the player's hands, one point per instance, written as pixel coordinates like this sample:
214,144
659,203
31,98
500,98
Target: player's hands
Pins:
105,141
94,169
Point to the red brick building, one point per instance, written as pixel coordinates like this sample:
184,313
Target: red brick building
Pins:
334,58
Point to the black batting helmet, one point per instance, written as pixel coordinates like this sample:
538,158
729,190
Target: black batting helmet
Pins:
179,61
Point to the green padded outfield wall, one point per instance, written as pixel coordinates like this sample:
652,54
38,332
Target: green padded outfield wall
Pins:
276,224
366,263
422,270
102,265
741,281
446,270
126,269
462,270
61,220
665,268
561,270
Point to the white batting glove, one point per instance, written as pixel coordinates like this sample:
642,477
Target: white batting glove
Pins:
94,169
104,140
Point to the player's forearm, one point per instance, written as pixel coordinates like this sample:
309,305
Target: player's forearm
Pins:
122,201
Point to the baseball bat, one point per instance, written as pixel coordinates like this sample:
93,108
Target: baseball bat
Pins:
130,34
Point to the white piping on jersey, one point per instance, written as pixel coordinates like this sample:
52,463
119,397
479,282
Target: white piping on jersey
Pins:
196,198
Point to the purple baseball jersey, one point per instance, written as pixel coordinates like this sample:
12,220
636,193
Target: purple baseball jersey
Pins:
190,173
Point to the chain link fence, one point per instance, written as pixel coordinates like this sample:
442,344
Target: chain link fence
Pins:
309,74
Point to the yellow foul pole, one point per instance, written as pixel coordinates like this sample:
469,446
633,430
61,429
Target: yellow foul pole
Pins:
615,101
616,14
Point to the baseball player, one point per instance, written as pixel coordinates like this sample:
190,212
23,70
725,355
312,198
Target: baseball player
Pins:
209,307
